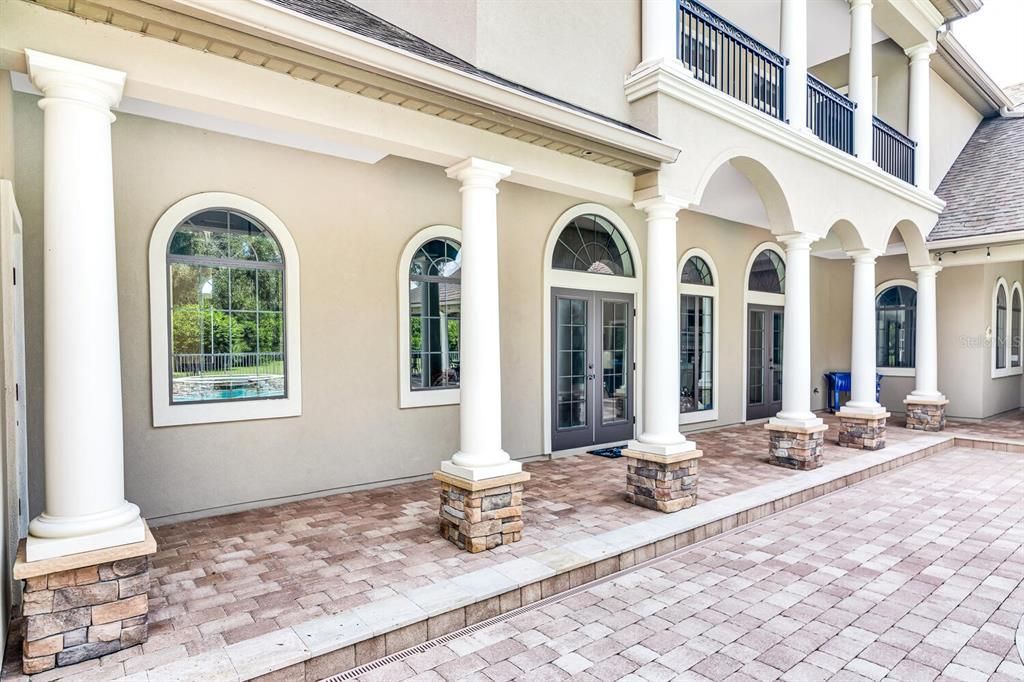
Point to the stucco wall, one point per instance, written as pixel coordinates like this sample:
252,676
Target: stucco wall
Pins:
953,121
449,24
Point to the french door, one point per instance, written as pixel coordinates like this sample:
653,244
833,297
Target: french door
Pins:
764,361
591,368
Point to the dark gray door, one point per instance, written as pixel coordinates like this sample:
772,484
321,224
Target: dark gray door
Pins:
764,361
592,368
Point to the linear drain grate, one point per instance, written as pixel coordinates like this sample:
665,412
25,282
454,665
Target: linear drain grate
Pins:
444,639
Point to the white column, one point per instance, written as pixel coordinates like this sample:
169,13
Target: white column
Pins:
861,89
796,337
480,455
660,428
83,431
862,356
659,25
926,349
793,43
920,115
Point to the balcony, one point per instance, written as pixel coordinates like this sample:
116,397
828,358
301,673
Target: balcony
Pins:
726,58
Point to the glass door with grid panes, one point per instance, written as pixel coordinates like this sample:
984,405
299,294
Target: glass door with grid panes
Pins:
592,368
764,361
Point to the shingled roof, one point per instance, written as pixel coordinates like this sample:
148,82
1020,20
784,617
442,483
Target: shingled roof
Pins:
352,18
984,190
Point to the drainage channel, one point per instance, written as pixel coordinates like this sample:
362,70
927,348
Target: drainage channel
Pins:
555,598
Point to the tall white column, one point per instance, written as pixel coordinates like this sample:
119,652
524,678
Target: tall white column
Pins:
862,356
659,25
926,349
793,42
796,337
480,455
861,89
83,431
660,428
920,115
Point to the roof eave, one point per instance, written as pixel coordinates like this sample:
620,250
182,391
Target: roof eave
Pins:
281,24
958,57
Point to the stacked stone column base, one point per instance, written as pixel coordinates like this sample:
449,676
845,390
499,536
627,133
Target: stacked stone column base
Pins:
479,515
926,415
796,447
862,429
83,606
666,483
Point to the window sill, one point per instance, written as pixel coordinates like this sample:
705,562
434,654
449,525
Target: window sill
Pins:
167,414
444,396
1007,372
896,371
698,417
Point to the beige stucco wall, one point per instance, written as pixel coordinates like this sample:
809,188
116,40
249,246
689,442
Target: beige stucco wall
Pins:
6,126
953,121
449,24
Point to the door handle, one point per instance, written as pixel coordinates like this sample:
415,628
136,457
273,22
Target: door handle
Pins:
591,377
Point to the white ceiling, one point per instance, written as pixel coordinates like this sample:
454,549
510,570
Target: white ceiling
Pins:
828,24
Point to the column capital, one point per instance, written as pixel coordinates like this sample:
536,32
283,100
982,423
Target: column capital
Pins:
660,206
867,256
926,270
478,172
62,78
854,4
921,52
797,241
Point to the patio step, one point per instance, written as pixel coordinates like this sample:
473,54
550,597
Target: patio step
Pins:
329,645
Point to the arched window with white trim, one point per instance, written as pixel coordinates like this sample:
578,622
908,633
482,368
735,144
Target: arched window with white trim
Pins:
223,312
1016,326
591,243
895,326
698,337
1000,327
430,306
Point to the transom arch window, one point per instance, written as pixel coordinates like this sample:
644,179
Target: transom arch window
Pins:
224,313
591,243
698,293
430,317
895,326
767,273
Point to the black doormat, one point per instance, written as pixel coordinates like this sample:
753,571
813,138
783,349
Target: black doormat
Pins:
608,452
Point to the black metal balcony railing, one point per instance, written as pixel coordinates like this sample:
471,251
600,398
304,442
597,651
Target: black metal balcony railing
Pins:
893,151
830,115
721,55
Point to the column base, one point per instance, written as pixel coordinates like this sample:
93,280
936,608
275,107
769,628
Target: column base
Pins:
506,468
84,606
926,414
662,450
666,483
864,430
42,548
479,515
796,447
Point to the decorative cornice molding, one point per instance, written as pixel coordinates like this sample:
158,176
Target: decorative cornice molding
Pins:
68,79
705,98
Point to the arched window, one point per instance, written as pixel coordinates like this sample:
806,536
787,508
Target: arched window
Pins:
768,273
895,327
590,243
1016,327
1000,325
224,313
435,294
697,338
226,309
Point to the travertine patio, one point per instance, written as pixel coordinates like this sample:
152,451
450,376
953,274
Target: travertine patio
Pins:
226,579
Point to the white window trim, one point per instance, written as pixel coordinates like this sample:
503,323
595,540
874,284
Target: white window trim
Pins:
701,416
1006,371
587,281
896,371
1019,291
166,413
757,298
408,398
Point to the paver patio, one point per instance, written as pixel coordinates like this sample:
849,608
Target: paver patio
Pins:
909,576
222,580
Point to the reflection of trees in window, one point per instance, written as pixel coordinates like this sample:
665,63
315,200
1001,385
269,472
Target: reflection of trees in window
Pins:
696,341
435,315
589,243
227,309
1000,327
768,273
1015,329
895,327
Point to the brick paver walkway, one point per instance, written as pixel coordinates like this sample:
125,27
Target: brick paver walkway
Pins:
912,575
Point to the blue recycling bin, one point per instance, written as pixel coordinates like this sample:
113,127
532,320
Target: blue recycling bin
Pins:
839,382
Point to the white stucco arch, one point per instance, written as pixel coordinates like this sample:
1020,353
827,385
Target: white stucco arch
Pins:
765,182
913,238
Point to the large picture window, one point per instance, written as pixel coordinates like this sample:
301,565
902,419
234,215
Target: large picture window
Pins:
895,327
435,314
226,299
697,295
